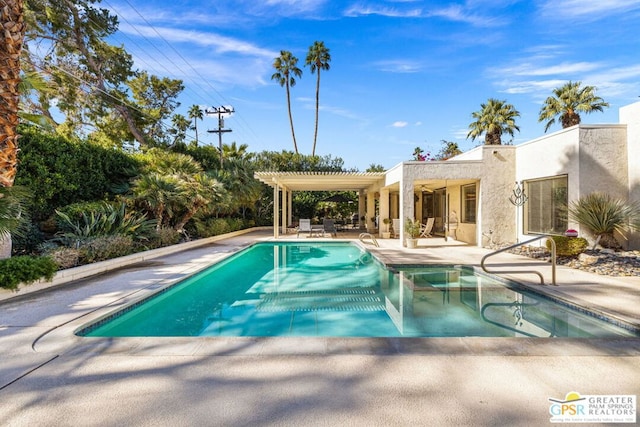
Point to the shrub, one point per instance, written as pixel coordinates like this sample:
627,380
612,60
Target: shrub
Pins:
568,246
60,172
104,248
164,237
26,270
65,257
26,242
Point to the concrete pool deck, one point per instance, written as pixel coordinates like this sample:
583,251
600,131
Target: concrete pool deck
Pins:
48,376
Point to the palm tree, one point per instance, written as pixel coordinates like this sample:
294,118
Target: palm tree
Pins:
158,193
179,128
286,70
196,113
494,118
318,59
12,28
568,101
234,151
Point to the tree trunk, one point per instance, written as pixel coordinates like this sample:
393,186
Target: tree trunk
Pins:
295,144
315,133
5,246
11,40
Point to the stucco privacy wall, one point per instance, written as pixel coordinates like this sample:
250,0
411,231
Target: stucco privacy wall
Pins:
603,160
630,116
496,214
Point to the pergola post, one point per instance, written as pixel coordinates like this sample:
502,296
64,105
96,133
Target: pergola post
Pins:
276,209
285,205
361,208
371,210
384,210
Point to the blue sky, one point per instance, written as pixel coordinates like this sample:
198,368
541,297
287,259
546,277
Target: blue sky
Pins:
404,73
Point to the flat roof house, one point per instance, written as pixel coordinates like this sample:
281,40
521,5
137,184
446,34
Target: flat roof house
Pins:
492,194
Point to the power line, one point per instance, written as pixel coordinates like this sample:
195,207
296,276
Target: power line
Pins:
181,57
100,90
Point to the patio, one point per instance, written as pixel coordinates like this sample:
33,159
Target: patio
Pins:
50,377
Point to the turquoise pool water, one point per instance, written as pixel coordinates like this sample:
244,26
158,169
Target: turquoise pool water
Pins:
337,289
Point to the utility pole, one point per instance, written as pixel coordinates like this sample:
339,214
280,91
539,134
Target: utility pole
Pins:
220,112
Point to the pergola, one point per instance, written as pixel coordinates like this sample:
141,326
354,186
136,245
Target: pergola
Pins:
286,182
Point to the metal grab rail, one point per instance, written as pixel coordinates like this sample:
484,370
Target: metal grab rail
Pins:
553,260
363,236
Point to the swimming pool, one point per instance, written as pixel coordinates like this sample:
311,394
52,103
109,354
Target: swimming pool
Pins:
326,289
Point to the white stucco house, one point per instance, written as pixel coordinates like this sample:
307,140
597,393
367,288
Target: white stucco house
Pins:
476,197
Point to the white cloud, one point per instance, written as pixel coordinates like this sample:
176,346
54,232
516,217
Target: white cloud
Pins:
398,66
589,9
399,124
532,69
359,10
221,44
458,13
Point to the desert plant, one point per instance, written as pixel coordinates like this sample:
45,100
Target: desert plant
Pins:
568,246
111,221
603,215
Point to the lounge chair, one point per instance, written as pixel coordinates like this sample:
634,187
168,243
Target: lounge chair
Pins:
425,229
329,227
395,227
304,227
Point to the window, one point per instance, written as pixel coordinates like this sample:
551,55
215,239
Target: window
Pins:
468,193
546,209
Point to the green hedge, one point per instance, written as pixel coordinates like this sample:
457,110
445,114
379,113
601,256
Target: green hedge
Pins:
25,269
59,172
568,246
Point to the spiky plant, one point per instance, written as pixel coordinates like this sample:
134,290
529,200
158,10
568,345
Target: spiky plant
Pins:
603,215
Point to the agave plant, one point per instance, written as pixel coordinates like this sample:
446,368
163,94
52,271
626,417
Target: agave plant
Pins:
603,215
110,221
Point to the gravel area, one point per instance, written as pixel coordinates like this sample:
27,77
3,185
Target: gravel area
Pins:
606,262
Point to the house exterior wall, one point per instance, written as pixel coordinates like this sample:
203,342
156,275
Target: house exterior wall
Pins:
630,116
593,157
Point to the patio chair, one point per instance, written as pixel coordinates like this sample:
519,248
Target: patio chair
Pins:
395,227
304,227
329,226
425,229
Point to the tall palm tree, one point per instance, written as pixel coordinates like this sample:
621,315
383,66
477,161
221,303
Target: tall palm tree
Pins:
318,59
12,29
286,71
494,118
196,113
568,101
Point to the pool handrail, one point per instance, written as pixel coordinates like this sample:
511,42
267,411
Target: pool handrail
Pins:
515,245
363,236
